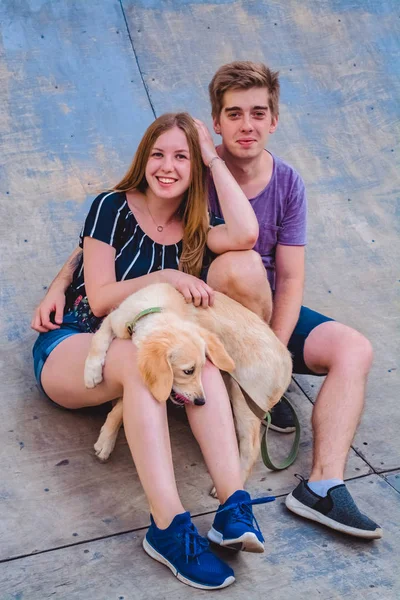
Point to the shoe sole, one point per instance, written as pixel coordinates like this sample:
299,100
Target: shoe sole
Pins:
148,548
309,513
248,542
282,429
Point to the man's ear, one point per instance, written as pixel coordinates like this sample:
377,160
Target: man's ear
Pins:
216,352
155,369
216,126
274,124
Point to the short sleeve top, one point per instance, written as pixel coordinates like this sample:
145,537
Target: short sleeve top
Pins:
110,220
281,211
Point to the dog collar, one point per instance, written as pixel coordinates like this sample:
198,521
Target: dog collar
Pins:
130,325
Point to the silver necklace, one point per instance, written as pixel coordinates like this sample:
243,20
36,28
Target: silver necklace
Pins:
160,228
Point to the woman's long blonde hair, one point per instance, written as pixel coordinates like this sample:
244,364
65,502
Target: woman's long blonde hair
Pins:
193,209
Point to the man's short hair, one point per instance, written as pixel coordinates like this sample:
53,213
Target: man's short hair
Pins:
243,75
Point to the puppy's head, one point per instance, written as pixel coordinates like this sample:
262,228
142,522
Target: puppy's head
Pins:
171,361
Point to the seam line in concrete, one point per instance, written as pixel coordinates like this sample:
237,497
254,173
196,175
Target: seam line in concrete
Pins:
136,529
137,60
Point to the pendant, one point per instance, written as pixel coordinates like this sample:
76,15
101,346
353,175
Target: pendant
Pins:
160,228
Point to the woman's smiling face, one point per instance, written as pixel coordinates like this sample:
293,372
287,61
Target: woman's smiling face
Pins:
168,169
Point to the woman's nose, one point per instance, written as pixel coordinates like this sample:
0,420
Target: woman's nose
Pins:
167,164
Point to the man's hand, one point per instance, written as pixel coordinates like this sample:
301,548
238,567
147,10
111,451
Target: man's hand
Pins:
207,146
53,302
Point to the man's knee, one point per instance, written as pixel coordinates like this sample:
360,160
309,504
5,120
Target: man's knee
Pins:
242,276
332,345
362,347
237,270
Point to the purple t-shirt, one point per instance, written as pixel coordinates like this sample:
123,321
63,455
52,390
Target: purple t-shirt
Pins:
281,211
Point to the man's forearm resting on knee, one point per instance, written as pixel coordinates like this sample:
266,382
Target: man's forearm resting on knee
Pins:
288,290
286,309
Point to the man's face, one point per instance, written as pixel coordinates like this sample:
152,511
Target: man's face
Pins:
245,122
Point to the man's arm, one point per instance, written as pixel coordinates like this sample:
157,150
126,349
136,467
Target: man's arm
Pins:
54,301
289,263
64,277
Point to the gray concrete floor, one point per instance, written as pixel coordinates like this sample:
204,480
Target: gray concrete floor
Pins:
80,81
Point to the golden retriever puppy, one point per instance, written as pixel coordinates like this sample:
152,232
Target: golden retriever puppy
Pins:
250,352
171,355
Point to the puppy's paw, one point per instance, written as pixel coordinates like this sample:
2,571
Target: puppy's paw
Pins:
105,444
93,374
213,493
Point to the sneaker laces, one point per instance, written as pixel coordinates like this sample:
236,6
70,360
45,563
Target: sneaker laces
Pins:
243,513
194,544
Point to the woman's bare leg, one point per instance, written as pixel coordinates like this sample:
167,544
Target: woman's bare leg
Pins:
145,419
212,425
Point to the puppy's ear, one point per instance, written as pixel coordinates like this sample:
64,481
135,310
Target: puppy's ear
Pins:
216,352
155,369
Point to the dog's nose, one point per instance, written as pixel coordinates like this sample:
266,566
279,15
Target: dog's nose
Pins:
199,401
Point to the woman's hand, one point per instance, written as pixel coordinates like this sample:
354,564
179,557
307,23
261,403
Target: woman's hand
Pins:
53,302
208,151
194,290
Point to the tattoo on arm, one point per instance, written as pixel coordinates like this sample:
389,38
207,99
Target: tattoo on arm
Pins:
73,261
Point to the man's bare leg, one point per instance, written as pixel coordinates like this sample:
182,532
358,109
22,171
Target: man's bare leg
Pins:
241,275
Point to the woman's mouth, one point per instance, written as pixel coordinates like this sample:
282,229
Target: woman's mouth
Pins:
165,181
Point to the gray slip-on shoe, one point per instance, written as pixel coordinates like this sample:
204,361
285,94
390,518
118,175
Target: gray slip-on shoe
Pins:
337,510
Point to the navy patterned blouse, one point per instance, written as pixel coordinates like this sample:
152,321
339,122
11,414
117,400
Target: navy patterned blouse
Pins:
110,220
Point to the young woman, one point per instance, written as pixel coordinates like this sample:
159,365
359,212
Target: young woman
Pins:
154,226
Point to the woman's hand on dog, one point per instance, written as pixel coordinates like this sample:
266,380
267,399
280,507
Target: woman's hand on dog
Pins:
49,314
194,290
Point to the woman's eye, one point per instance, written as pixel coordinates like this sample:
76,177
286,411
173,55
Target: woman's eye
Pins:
181,156
189,371
156,154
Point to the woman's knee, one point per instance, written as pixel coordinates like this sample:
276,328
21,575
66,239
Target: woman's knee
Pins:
209,370
121,360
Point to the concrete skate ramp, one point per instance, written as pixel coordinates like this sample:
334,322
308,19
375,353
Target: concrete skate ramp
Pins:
79,83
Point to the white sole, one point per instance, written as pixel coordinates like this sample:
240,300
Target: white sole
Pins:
248,542
308,513
148,548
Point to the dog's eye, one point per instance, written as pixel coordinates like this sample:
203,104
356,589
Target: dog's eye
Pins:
189,371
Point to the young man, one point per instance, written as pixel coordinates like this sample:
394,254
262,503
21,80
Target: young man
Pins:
245,107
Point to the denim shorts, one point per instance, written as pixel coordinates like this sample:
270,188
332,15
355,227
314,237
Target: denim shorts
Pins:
308,320
46,342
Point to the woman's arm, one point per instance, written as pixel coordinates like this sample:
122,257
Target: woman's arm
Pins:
240,231
105,293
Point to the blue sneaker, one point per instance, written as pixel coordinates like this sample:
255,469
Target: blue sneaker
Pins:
234,522
181,548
